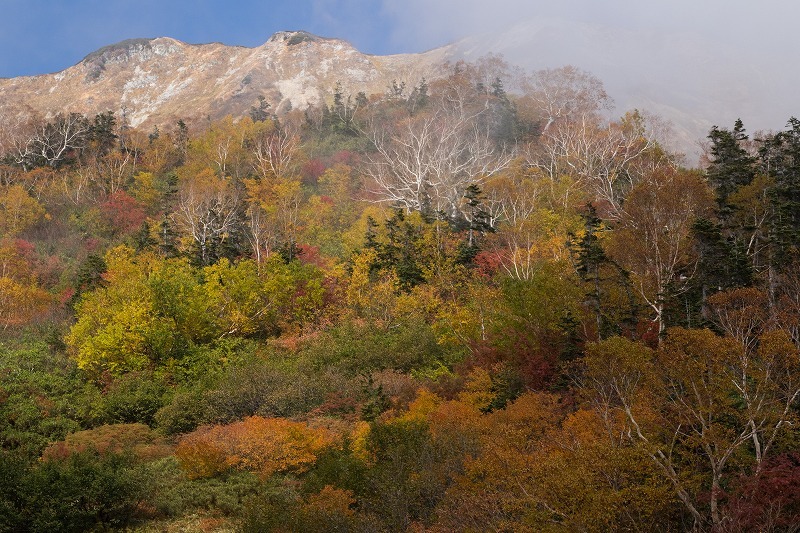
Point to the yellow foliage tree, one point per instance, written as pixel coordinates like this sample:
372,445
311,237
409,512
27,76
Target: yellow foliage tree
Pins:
20,302
18,210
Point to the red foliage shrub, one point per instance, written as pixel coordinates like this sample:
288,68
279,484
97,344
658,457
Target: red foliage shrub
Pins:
312,170
344,157
534,362
123,212
769,501
487,264
309,255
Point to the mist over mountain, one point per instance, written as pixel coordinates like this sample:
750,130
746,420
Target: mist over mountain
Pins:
692,80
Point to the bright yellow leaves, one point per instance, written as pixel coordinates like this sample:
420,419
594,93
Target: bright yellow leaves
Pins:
18,210
151,311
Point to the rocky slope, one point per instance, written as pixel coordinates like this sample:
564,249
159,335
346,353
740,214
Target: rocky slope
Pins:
158,81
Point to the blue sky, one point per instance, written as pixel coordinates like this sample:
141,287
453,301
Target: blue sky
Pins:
39,36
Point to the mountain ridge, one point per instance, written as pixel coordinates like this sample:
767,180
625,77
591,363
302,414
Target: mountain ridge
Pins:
153,81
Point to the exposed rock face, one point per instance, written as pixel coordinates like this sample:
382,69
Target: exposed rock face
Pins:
158,81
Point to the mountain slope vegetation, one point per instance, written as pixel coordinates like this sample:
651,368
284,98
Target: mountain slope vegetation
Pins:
439,306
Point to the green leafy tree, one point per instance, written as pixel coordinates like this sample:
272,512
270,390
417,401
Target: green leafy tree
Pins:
260,113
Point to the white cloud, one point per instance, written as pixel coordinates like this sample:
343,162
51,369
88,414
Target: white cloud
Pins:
421,24
697,62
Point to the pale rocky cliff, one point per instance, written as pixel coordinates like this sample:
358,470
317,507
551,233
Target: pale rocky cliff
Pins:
158,81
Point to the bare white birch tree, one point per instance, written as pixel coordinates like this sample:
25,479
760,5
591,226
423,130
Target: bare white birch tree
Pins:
275,147
206,211
425,162
51,142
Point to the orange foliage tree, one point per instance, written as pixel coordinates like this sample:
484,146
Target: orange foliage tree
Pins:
702,407
21,298
257,444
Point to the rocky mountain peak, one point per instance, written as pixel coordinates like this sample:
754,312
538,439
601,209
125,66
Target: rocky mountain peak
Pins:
132,47
292,38
158,81
127,50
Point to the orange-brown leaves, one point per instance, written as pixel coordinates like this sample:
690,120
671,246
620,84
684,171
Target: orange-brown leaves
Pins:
116,438
741,313
262,445
653,239
21,298
20,303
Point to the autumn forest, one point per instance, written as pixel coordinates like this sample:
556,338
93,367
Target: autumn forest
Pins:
479,303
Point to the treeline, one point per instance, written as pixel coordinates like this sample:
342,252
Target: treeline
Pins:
448,307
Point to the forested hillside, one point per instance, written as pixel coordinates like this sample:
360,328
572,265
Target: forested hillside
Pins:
446,307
